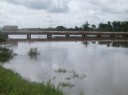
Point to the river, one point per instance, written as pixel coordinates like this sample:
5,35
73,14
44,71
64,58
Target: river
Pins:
79,68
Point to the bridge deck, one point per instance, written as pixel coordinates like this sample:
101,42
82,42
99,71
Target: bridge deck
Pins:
24,32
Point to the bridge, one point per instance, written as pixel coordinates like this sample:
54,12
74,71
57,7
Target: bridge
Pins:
68,34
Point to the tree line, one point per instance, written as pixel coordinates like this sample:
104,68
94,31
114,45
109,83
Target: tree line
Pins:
115,26
110,26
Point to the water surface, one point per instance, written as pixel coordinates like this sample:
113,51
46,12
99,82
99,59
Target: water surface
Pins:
91,68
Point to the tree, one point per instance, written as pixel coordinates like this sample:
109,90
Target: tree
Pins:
124,26
93,27
109,26
102,27
86,26
3,38
76,28
116,25
61,28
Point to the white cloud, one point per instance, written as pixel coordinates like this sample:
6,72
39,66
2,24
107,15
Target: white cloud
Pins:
56,6
51,13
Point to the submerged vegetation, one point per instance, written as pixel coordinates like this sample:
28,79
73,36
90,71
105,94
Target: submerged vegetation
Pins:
64,84
82,92
6,54
61,70
73,74
33,52
68,78
12,84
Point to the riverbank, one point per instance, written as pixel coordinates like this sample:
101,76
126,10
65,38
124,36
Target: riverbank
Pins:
12,84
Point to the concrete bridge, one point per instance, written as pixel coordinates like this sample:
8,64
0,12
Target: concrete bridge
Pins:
68,34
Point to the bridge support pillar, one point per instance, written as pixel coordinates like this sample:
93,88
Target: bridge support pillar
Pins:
83,36
28,36
124,36
99,36
112,36
6,35
67,35
49,36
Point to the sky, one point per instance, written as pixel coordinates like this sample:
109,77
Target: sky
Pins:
69,13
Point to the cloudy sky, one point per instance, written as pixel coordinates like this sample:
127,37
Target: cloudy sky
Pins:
51,13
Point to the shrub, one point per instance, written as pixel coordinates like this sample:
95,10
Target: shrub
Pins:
33,52
6,54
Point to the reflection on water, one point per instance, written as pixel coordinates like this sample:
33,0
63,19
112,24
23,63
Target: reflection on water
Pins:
93,68
123,44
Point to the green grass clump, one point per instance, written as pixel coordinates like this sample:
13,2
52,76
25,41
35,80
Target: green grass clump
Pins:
12,84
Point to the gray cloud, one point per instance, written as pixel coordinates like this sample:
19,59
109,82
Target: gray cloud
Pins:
111,6
72,12
58,6
37,4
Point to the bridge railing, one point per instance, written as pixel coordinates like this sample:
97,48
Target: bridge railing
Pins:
23,31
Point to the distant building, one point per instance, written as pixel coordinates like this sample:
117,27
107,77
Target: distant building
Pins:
10,28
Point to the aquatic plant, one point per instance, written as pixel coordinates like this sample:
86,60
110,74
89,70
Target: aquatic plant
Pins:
82,92
33,52
64,84
6,54
75,75
68,78
61,70
83,76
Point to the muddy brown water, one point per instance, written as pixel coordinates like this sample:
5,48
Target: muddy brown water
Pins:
79,68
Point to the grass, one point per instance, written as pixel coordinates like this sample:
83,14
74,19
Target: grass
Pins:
12,84
5,54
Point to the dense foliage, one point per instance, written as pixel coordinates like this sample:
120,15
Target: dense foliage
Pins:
114,26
